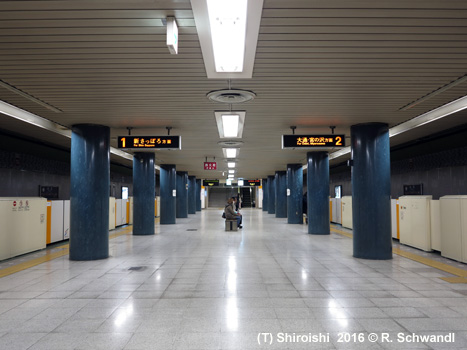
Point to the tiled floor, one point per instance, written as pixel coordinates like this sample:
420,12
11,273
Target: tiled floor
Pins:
211,289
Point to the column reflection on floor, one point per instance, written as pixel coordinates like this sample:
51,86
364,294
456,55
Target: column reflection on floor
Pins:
193,285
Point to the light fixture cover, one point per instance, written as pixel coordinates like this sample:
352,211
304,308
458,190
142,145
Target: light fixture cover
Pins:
230,152
230,124
227,20
231,164
203,27
226,124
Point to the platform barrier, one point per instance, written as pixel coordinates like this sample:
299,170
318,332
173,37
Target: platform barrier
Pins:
24,225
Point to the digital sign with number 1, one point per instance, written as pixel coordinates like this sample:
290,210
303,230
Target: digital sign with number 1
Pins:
154,142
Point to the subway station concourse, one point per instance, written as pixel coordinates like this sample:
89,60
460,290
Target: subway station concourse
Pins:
127,128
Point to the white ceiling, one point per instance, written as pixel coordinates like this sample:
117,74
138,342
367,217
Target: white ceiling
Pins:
318,63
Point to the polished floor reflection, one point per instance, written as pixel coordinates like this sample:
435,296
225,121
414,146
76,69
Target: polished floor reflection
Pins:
195,286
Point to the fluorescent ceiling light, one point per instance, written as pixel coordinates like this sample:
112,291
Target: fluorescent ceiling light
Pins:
230,152
228,33
231,176
231,164
431,116
230,124
425,118
227,19
46,124
231,171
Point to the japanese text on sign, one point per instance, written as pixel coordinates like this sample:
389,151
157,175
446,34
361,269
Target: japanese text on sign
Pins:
210,166
310,141
157,142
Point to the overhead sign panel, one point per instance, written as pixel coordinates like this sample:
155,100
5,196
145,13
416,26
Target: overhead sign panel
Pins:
210,166
252,183
210,183
150,142
312,141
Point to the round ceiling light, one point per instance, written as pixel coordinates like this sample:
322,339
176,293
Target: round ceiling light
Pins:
230,143
231,96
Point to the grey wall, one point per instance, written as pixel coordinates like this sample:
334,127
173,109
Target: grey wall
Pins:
21,175
442,173
217,196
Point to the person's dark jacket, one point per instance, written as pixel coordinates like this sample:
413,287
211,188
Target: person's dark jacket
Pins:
230,213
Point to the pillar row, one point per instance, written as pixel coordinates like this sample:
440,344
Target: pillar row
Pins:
264,185
281,194
371,191
294,194
168,194
144,189
89,192
318,193
271,195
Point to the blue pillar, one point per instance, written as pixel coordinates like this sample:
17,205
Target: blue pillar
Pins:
168,194
198,194
371,191
191,195
182,194
281,194
265,194
271,195
144,189
295,197
318,193
89,192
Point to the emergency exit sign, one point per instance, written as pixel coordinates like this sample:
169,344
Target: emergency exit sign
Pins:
210,166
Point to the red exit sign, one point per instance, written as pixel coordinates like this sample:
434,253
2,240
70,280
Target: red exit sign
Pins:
210,166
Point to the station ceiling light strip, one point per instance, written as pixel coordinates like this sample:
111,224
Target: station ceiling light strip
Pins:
228,36
425,118
30,118
434,93
230,123
29,97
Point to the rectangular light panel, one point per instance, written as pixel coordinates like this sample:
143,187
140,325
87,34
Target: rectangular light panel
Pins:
225,55
230,152
227,20
230,123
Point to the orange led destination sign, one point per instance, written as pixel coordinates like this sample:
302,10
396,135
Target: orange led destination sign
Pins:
150,142
252,182
312,141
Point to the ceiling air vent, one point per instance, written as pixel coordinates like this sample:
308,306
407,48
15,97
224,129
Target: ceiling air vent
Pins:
230,143
231,96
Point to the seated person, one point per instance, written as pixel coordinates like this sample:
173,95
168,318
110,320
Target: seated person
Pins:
231,214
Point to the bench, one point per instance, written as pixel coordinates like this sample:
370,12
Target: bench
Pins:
231,225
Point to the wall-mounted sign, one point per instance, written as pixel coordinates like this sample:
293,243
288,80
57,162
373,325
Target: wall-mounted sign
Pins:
210,183
252,183
151,142
49,192
210,166
312,141
172,35
411,190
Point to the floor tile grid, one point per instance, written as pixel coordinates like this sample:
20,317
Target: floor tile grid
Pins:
252,265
